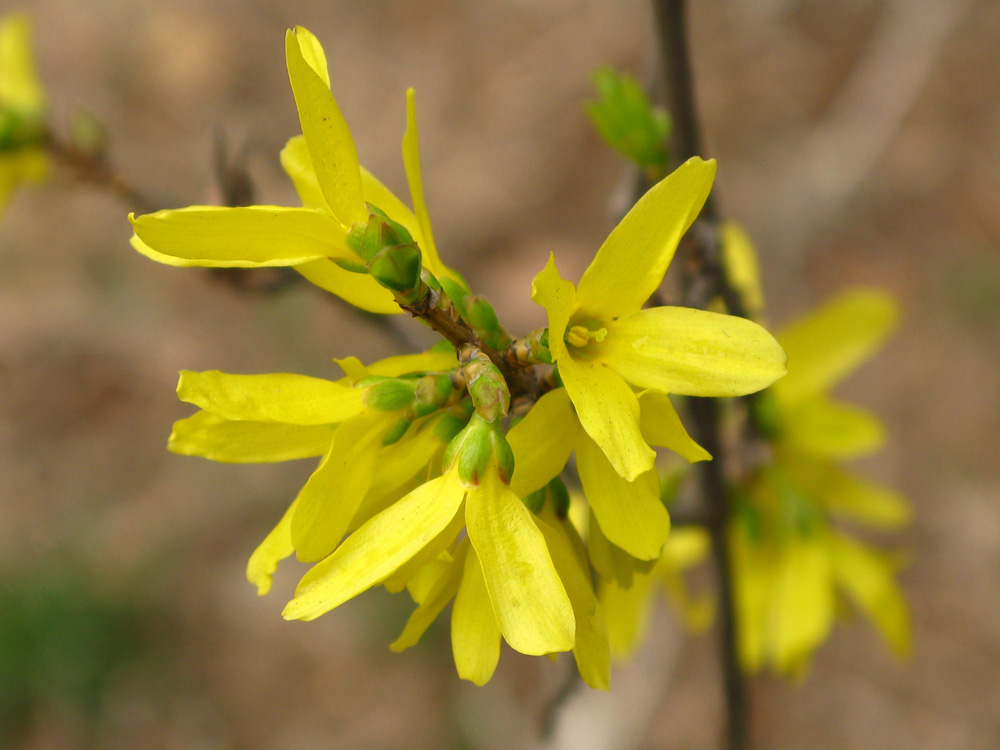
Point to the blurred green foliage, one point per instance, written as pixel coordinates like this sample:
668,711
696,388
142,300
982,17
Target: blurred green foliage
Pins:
628,122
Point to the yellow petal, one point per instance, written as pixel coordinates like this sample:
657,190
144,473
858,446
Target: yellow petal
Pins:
529,601
475,635
329,499
247,237
312,53
834,340
834,430
297,163
803,605
430,552
276,547
631,262
627,611
591,651
358,289
845,495
754,576
630,513
331,147
439,358
444,588
542,442
20,89
662,426
205,434
376,550
277,397
870,581
411,161
692,352
742,268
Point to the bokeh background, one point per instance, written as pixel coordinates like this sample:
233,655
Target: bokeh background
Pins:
857,142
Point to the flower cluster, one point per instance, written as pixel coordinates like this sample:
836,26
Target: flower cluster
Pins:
794,561
428,478
22,107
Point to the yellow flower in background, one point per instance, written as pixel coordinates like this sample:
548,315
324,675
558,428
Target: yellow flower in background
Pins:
605,344
335,191
791,565
22,107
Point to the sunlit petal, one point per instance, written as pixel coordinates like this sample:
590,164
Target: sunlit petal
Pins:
475,635
692,352
543,441
205,434
630,264
662,426
276,547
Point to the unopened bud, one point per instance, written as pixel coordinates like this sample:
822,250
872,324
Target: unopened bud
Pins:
392,394
486,385
432,392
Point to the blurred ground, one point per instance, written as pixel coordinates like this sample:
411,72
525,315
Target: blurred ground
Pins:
857,142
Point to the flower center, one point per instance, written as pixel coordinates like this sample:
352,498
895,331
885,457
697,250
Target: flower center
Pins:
580,336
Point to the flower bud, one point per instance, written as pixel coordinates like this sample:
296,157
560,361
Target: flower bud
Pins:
392,394
486,385
479,448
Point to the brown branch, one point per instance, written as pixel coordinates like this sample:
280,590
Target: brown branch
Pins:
704,278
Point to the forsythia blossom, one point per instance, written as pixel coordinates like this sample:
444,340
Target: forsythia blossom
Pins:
419,484
22,106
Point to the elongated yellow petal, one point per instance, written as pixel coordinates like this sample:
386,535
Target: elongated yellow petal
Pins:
312,53
297,163
870,581
627,613
834,340
591,651
205,434
754,577
611,563
430,552
247,237
630,513
439,358
329,499
276,547
834,430
20,89
475,635
331,147
742,269
692,352
530,603
543,441
803,604
440,594
662,426
631,262
358,289
277,397
848,496
373,552
411,161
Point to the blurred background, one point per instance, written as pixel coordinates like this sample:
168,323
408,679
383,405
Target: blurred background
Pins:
857,142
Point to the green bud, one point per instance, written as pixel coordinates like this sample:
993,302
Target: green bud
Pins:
535,501
486,385
766,414
457,294
559,496
432,392
449,426
18,129
397,268
88,135
394,433
483,319
390,395
477,448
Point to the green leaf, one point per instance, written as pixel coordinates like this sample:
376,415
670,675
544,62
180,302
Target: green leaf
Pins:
628,122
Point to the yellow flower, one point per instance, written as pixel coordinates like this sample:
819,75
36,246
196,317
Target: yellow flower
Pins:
605,344
22,107
335,192
505,579
790,564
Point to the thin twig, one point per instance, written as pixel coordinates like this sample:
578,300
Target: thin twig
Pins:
704,279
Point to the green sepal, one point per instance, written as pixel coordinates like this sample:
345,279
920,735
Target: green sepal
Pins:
559,496
535,501
392,394
397,268
432,392
18,130
449,426
477,448
396,432
766,414
457,293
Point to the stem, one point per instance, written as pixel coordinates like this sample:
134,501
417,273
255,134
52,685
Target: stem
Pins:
703,279
436,310
98,171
